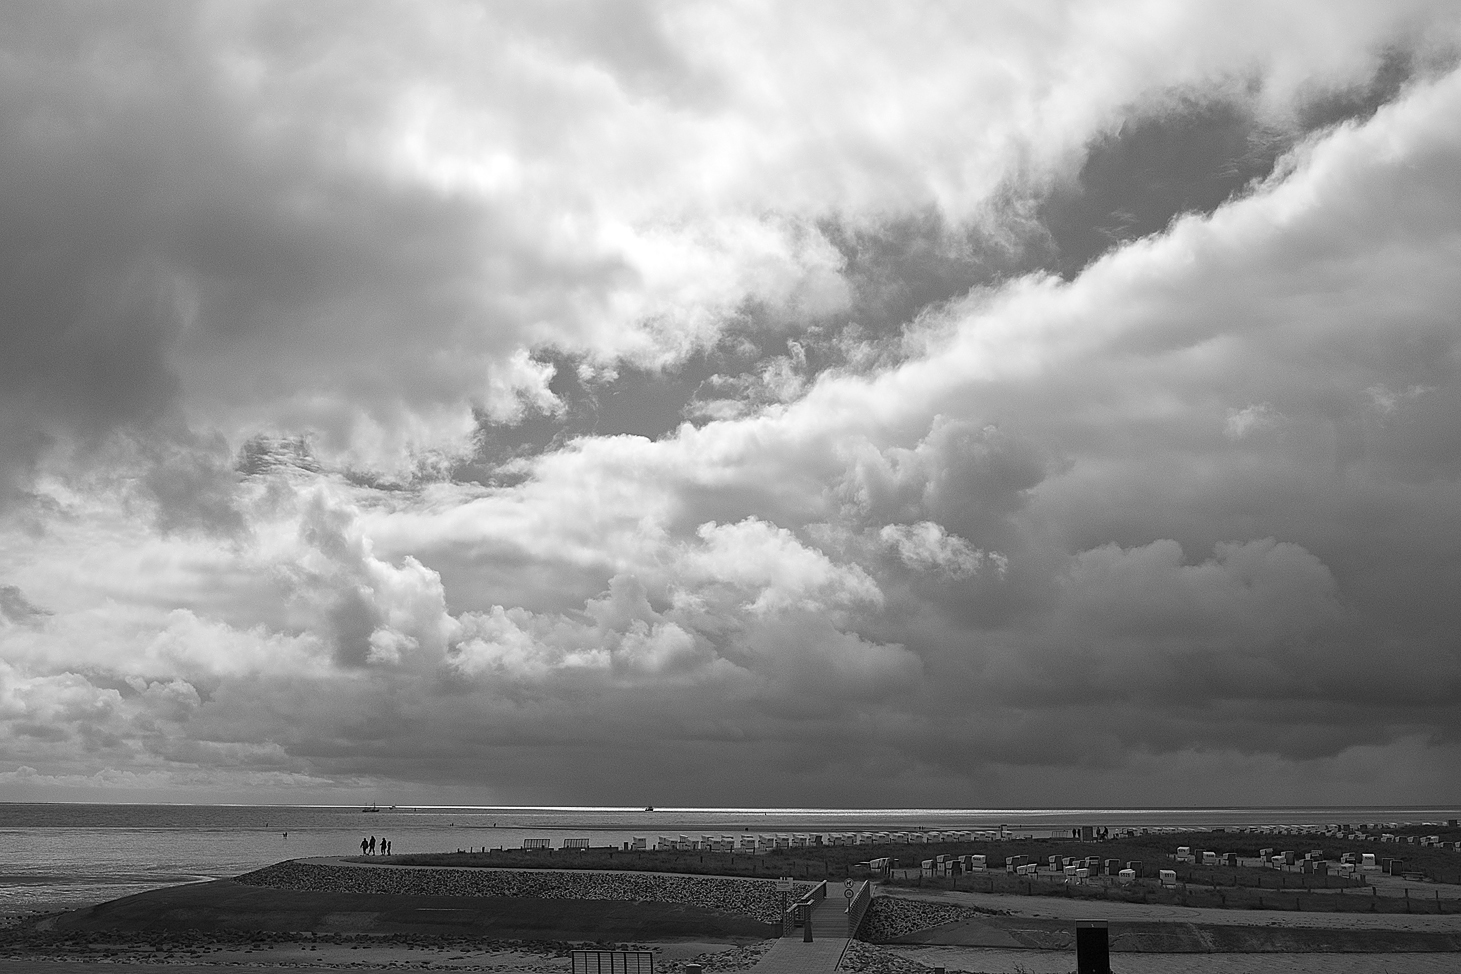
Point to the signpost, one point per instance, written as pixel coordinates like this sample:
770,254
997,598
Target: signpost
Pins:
847,889
1092,947
783,886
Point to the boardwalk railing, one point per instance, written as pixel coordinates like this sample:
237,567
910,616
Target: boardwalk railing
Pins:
811,898
857,907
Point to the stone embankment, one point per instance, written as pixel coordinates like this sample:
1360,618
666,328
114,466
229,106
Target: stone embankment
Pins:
754,899
891,917
864,958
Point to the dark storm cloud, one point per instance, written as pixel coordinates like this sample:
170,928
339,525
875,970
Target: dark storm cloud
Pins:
1190,155
195,487
1190,158
16,607
188,243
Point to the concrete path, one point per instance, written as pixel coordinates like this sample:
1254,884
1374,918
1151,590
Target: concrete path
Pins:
793,955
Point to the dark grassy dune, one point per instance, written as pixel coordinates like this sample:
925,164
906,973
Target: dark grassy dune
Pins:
229,905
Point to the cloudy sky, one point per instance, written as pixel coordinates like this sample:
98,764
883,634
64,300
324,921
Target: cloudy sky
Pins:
731,403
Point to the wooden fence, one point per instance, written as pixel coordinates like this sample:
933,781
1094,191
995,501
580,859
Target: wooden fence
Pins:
613,962
857,907
811,898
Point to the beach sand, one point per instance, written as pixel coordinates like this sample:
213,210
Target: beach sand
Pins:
996,961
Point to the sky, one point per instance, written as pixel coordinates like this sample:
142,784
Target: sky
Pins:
733,404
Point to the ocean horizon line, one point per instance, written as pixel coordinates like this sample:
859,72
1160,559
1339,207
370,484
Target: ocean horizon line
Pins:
762,810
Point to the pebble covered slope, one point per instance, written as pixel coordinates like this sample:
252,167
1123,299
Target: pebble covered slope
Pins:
891,917
755,899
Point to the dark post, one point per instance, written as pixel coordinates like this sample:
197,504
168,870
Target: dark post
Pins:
807,923
1092,949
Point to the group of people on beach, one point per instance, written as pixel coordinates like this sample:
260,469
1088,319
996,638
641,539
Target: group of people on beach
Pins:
368,846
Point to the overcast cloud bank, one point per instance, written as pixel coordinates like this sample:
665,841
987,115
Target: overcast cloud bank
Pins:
727,405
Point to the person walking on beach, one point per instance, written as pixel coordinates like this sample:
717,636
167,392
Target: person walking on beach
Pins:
362,846
385,846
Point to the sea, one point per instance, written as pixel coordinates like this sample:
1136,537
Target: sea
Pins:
59,856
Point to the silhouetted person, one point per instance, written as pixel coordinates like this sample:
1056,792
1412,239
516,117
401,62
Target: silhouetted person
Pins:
363,844
372,845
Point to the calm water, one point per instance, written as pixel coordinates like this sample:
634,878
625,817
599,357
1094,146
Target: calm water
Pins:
57,856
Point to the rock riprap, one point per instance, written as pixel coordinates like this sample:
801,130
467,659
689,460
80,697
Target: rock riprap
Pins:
891,917
754,899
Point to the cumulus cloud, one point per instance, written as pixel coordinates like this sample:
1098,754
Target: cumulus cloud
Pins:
1248,420
926,546
494,180
1022,441
1386,401
773,569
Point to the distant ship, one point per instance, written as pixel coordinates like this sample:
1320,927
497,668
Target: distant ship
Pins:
372,808
649,808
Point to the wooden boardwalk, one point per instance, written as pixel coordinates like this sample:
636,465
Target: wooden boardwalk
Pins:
793,955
